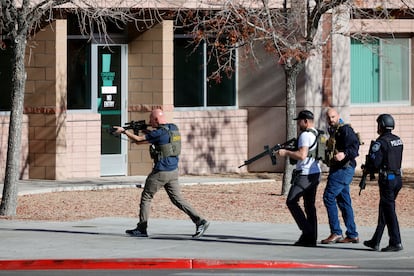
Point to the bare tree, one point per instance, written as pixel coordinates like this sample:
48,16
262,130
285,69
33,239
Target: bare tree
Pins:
287,29
19,22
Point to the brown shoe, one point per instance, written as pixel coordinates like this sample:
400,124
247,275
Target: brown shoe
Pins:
333,238
349,240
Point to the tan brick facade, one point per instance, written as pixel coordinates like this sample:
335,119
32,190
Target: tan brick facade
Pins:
212,141
364,121
4,133
58,144
45,103
150,85
83,150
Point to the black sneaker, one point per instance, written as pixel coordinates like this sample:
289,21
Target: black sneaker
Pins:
392,248
305,241
137,233
201,228
371,245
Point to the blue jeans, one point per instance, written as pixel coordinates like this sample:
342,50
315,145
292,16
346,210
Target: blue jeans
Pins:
337,193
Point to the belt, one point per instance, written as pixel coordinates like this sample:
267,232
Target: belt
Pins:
387,172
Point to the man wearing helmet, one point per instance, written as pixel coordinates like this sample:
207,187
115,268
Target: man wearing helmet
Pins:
385,158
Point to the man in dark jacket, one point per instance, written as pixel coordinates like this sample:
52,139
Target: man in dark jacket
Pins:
341,171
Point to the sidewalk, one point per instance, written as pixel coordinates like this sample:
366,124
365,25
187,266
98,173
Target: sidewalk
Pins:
47,186
101,242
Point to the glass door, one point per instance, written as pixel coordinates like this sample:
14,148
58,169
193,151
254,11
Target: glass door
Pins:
109,83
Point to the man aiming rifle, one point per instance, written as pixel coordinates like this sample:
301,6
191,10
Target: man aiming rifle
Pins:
136,126
289,145
165,140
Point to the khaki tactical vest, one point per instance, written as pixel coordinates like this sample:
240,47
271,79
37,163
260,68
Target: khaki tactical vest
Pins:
318,147
330,149
173,148
318,152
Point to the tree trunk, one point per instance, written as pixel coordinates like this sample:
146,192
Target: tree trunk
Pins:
291,75
10,192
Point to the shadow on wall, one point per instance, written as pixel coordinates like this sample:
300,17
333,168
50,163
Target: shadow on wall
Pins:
24,159
213,141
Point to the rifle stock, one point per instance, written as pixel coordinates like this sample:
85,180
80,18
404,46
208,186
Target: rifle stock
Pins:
290,144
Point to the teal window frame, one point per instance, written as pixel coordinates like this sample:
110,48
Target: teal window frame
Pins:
381,71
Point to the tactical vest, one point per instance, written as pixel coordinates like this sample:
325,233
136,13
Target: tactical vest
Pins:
318,151
393,152
173,148
330,149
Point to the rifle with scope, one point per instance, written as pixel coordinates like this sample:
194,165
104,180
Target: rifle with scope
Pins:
289,145
136,126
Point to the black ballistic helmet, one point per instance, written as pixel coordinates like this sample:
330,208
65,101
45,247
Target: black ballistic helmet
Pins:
385,121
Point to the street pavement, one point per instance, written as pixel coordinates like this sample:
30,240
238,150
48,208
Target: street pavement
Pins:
102,242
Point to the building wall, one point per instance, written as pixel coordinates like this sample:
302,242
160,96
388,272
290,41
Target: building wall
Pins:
364,121
213,141
55,145
262,93
45,102
58,145
363,117
150,85
4,133
83,151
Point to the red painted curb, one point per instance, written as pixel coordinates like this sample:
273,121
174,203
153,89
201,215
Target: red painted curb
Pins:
238,264
160,263
116,264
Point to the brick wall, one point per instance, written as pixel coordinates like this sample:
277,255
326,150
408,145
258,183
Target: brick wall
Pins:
212,141
4,133
150,85
45,102
83,145
363,120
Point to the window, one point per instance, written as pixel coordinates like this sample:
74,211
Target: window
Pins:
79,74
380,71
6,61
79,59
191,86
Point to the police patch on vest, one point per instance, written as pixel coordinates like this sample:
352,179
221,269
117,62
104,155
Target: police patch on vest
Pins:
375,147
